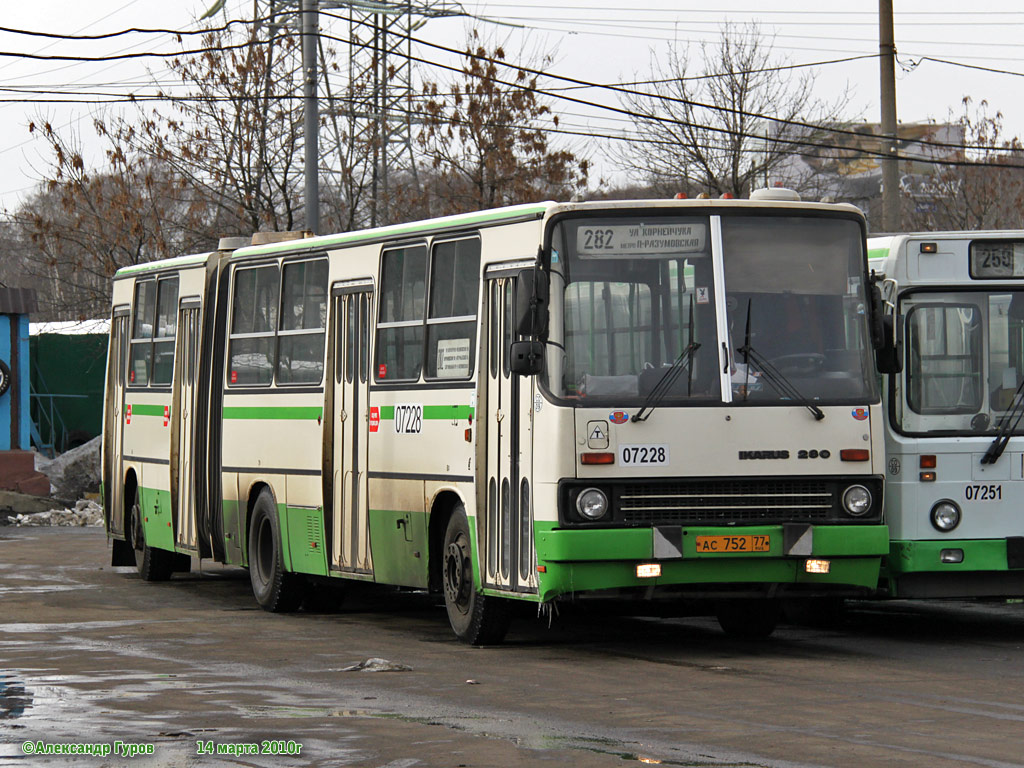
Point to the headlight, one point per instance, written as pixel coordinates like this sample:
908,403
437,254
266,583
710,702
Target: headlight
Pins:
857,500
945,515
592,504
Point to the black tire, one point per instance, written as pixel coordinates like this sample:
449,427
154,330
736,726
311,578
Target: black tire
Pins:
750,619
476,618
152,564
275,589
5,377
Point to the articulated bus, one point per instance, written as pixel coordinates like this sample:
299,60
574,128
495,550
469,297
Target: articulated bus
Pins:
955,482
651,400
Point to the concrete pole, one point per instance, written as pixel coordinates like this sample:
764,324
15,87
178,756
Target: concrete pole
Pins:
310,38
890,168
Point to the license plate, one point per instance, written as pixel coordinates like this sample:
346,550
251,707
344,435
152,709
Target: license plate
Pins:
744,543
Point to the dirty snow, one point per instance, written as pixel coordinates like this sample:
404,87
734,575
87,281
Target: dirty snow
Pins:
85,512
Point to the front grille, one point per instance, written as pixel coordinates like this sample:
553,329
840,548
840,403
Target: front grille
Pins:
727,501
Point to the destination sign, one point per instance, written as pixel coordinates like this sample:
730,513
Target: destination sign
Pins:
638,239
994,259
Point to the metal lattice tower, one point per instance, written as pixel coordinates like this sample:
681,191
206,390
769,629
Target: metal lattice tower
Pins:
380,87
376,105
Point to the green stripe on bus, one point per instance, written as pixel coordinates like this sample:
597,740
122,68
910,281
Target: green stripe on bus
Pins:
284,412
147,410
433,412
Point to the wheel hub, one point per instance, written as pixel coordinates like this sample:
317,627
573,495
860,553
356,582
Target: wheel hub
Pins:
457,578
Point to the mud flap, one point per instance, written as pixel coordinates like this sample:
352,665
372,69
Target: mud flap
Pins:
122,553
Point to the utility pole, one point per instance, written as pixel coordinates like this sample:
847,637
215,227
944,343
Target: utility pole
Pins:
310,39
890,168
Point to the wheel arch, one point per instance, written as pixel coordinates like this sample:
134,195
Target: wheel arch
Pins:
442,506
255,489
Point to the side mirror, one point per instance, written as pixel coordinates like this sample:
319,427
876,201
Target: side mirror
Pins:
889,356
532,303
877,315
527,357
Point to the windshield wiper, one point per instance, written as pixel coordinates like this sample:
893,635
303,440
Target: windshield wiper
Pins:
1003,435
778,380
666,381
771,374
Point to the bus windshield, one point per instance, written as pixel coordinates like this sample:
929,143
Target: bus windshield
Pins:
964,360
633,297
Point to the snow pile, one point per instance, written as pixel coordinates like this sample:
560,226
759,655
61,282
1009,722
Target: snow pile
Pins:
73,473
86,512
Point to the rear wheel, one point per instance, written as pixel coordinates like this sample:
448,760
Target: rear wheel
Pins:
274,589
752,619
152,564
476,618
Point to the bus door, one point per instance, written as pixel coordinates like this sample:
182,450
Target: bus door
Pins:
350,550
182,458
113,471
506,503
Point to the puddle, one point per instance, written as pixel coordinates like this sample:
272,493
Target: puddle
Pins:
14,698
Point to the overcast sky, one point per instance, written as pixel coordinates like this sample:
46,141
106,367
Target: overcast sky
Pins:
604,41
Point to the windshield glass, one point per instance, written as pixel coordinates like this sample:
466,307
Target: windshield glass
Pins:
964,360
630,295
796,305
634,293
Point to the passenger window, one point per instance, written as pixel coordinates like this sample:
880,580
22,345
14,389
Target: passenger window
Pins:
153,332
399,354
300,358
253,322
141,353
454,295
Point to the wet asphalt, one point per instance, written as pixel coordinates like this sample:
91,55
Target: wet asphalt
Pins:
191,672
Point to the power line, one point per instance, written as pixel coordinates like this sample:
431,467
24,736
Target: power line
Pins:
660,97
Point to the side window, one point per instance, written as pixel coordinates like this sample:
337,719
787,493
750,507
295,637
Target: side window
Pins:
300,348
399,354
153,330
143,324
166,328
253,322
454,297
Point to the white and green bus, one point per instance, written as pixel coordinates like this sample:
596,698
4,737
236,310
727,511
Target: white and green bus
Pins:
649,400
955,437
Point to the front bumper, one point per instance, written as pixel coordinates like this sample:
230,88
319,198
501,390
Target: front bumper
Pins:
600,559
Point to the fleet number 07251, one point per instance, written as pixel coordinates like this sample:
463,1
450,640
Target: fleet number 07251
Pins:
983,492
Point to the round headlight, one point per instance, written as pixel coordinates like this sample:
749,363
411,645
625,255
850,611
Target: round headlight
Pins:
592,504
857,500
945,515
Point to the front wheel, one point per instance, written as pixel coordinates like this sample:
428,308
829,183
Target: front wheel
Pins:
275,589
476,618
751,619
152,564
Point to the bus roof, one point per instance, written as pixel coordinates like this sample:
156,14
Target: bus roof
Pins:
519,212
194,259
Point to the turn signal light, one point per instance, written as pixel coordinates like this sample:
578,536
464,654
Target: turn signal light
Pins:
597,458
855,454
927,477
929,247
817,566
927,462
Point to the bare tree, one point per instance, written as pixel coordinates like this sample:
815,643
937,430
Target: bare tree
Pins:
485,140
82,226
977,193
726,122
